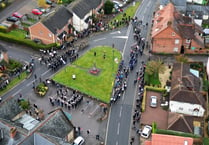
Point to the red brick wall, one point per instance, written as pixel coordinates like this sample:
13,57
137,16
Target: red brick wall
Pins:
39,31
164,42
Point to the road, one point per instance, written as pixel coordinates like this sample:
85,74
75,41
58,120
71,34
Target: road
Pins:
120,116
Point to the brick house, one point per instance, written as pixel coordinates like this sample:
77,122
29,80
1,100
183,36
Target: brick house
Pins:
3,54
174,33
82,12
185,95
53,28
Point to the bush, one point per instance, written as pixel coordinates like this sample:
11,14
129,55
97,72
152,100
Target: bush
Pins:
24,104
3,29
161,90
41,89
108,7
26,42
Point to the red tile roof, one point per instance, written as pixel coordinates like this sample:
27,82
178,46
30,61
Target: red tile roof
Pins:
159,139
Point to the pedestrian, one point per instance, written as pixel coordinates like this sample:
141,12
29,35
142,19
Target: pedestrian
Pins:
104,56
95,54
35,76
88,131
40,79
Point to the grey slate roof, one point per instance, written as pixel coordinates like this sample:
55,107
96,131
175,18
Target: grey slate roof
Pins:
179,4
9,109
7,140
36,139
58,19
82,7
56,125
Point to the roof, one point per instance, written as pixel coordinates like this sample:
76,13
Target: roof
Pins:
58,19
160,139
9,109
7,140
169,17
2,49
185,86
57,124
36,139
182,123
83,7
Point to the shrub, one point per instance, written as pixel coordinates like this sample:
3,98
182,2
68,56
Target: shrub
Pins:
24,104
161,90
41,89
3,29
108,7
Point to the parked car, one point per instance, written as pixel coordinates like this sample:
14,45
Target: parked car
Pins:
36,12
79,141
146,131
43,10
120,5
38,41
17,15
48,2
153,101
12,19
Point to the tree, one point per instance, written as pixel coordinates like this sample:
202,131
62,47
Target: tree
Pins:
42,3
108,7
154,68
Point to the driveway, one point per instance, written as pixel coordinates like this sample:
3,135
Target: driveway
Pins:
157,114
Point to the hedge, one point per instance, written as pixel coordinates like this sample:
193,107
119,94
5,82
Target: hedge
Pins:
176,133
26,42
161,90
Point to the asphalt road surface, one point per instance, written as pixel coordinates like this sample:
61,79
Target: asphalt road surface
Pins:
120,117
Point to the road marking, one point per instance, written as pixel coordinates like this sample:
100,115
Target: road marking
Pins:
116,143
17,92
115,32
99,39
118,131
123,37
121,108
45,72
142,18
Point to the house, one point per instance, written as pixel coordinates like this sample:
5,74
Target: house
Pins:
174,33
55,129
180,5
52,28
3,54
185,95
83,10
185,123
161,139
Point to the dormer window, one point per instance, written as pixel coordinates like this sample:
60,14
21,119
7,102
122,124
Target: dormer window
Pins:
173,34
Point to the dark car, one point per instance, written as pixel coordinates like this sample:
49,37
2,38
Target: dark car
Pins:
38,41
12,19
48,2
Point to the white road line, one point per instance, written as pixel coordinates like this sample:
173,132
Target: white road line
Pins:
99,39
121,108
29,84
115,32
143,18
45,72
123,37
16,92
118,130
116,143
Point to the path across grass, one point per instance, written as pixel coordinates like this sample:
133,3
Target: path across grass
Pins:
98,86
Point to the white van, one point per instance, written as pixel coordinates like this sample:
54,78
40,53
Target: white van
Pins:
78,141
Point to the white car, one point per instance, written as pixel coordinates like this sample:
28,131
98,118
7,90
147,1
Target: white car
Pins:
153,101
120,5
146,131
79,141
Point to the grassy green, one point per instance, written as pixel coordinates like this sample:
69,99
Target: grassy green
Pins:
13,83
206,141
98,86
17,33
151,79
130,11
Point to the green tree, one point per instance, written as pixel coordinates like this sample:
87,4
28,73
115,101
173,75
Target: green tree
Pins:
108,7
42,3
154,68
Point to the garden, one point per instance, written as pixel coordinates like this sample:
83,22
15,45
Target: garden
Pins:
93,73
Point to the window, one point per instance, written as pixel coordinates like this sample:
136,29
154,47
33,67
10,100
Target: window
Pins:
175,49
187,40
173,33
177,41
50,35
181,108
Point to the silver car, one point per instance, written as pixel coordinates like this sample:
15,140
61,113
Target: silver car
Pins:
153,101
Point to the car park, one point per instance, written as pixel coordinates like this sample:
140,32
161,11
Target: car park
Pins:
146,131
17,15
36,12
12,19
79,141
153,101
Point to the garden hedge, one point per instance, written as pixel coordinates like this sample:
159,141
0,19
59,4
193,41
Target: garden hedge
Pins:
26,42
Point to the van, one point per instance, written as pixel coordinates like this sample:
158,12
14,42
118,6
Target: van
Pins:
79,141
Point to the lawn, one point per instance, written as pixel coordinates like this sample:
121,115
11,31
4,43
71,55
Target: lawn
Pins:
98,86
130,11
17,33
14,82
151,80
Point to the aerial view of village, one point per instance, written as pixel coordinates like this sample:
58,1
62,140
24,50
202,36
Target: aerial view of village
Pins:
104,72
